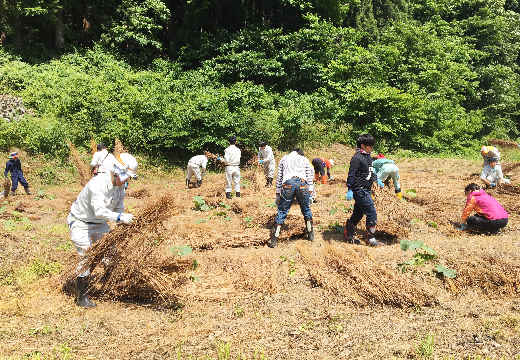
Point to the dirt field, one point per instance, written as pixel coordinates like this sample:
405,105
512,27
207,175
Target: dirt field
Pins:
235,298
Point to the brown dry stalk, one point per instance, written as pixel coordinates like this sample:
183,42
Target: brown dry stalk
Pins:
355,277
503,143
118,148
93,146
83,169
137,263
7,187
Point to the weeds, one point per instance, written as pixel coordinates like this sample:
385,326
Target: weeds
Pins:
425,345
420,258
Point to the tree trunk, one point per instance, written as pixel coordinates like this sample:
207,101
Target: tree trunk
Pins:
58,30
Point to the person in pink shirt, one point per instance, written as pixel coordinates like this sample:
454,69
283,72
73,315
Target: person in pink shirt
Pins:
490,215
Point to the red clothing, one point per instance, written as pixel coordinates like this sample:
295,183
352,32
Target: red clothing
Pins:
325,162
485,205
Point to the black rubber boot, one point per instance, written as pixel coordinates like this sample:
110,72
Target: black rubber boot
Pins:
269,182
27,191
349,234
187,184
228,195
199,183
310,230
237,194
371,239
275,233
81,293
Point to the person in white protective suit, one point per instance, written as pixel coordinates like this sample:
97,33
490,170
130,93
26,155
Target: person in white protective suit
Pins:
195,164
101,200
231,162
102,161
266,157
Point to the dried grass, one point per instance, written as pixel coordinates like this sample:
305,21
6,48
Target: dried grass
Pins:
93,146
503,143
7,187
119,148
83,169
138,263
353,276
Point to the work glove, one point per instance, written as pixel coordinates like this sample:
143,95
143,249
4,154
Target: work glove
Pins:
219,159
125,218
277,201
380,183
261,161
493,184
203,173
331,178
350,195
462,227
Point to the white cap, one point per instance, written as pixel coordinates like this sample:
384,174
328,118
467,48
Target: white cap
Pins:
331,162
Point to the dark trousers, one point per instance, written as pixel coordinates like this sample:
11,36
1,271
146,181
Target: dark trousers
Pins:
364,205
481,223
18,178
318,166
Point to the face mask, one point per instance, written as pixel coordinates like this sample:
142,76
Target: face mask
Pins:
122,177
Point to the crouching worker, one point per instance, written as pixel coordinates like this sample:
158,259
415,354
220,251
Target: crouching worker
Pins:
320,164
386,169
490,215
195,164
101,200
492,174
294,179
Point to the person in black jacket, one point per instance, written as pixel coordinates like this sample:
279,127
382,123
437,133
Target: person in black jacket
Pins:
361,176
15,167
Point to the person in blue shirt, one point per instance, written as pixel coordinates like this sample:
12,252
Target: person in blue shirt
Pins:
361,176
15,167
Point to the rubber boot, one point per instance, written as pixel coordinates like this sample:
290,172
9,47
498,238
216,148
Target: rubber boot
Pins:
309,229
12,193
27,191
237,194
316,178
371,239
399,195
275,233
199,183
187,184
349,234
324,179
269,182
81,293
228,195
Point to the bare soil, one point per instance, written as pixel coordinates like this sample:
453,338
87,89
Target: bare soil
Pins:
325,299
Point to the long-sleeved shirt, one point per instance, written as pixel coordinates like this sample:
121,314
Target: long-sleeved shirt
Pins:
99,200
14,166
492,175
361,173
104,161
232,156
200,160
484,205
294,165
266,154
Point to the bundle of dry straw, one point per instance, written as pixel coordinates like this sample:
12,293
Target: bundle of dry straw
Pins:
7,187
83,169
137,264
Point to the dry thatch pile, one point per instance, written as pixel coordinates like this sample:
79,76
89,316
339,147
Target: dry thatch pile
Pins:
503,143
138,263
83,169
7,187
119,147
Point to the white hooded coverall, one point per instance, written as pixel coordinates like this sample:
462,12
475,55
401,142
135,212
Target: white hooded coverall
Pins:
232,161
99,201
194,166
269,163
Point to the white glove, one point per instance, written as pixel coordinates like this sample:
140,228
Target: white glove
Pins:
126,218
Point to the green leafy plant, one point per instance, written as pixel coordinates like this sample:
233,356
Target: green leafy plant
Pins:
181,251
292,265
224,205
200,203
423,254
411,192
425,345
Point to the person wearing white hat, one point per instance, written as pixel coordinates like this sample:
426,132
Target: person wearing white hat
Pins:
100,201
320,164
490,152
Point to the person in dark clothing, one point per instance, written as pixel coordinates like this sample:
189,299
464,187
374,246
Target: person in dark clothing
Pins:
15,167
361,176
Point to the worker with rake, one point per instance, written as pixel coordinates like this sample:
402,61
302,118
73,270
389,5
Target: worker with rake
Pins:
294,180
231,162
361,176
385,170
320,164
101,200
266,157
490,215
14,165
194,165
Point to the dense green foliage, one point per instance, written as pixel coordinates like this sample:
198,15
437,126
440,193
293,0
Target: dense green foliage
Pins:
176,77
